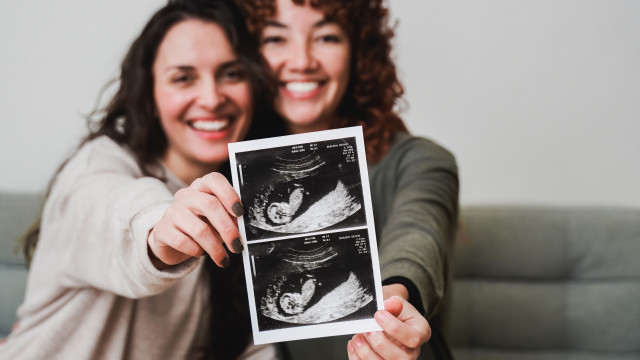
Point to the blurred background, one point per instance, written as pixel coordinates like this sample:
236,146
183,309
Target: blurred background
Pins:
539,100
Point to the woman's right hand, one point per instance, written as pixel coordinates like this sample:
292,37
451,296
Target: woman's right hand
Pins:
201,218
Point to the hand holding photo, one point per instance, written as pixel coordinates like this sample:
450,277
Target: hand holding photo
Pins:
311,261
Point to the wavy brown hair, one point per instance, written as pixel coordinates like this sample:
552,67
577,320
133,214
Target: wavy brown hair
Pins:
130,117
374,88
130,120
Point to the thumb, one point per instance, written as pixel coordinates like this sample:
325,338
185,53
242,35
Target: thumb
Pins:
393,305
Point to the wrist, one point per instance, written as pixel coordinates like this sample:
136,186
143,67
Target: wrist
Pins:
395,290
155,261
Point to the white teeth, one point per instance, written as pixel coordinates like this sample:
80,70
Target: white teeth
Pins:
206,125
302,86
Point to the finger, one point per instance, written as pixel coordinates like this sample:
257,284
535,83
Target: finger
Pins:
162,255
171,245
363,349
210,241
411,333
215,214
191,235
216,184
351,351
387,348
223,223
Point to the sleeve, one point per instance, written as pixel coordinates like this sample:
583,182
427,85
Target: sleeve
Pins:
96,222
420,220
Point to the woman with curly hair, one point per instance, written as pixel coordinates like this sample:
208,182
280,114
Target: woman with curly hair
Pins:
332,63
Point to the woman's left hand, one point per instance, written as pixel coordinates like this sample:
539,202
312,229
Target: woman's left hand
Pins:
405,330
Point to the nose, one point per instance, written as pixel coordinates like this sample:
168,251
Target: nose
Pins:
301,57
210,95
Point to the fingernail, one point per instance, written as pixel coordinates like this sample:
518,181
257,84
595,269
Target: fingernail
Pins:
350,346
236,244
238,209
225,262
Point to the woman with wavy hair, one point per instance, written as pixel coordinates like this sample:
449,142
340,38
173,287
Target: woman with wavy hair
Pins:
332,63
118,270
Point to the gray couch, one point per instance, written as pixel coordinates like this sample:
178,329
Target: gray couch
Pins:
530,282
546,283
17,213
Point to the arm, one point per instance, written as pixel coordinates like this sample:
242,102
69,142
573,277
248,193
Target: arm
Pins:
97,221
416,190
416,217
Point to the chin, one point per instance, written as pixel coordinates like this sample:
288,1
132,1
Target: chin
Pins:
214,161
303,120
214,156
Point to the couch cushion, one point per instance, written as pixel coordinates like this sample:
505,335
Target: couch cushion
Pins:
549,243
501,354
17,213
546,280
13,279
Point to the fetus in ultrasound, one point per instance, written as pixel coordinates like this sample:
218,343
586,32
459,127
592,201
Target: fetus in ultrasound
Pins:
313,284
295,302
284,204
303,197
301,189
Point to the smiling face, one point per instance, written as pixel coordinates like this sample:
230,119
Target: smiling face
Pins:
202,96
310,58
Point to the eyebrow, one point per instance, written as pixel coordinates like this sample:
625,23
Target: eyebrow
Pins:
224,65
228,64
318,24
181,67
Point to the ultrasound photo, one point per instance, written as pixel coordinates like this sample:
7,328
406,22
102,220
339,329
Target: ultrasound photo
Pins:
310,256
313,280
301,188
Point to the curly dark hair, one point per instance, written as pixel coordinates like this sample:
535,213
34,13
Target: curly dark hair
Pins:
374,88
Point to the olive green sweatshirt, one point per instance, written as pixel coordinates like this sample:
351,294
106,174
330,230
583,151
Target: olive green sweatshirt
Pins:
414,191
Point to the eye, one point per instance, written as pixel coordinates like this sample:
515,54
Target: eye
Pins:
233,74
181,79
274,39
330,38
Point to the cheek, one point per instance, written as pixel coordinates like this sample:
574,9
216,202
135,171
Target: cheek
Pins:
241,95
273,59
337,66
169,104
342,68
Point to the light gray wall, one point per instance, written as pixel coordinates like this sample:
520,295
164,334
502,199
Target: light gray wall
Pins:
538,99
56,57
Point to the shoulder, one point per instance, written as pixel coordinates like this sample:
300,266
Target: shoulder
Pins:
409,149
97,161
103,155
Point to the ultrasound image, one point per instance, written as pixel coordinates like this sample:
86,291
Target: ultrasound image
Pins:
301,188
313,280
